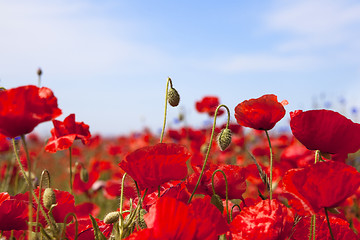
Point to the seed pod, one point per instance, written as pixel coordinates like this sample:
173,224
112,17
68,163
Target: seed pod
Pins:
49,198
173,97
112,217
224,139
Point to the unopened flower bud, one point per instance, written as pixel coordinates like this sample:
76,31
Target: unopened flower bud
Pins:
49,198
216,200
140,221
112,217
84,175
39,72
224,139
173,97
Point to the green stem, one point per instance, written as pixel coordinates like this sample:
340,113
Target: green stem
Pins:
317,156
314,226
226,190
271,165
159,191
209,148
121,203
328,222
232,209
165,111
30,187
29,183
71,184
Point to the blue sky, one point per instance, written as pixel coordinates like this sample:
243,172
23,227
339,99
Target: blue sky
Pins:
108,61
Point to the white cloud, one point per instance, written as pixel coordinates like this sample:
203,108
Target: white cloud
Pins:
315,24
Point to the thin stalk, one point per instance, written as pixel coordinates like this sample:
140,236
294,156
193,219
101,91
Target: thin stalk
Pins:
271,165
209,148
70,159
28,182
165,111
30,187
328,222
121,219
40,190
226,191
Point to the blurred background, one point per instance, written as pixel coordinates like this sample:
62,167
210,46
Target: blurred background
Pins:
108,61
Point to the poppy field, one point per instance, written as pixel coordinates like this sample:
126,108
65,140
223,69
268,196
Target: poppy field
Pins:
232,180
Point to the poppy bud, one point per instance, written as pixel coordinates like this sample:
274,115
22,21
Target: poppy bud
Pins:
173,97
216,200
49,198
39,72
140,221
224,139
112,217
84,175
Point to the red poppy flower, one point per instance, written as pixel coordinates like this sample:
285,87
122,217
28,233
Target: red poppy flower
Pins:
324,184
13,213
260,113
86,230
266,220
208,105
173,219
325,130
65,133
339,227
235,175
152,166
23,108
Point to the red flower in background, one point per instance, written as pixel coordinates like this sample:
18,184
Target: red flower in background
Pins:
260,113
266,220
173,219
23,108
325,130
65,133
235,175
324,184
339,227
13,213
152,166
208,105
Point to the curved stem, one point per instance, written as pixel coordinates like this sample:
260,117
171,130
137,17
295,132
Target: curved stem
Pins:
71,185
39,199
209,148
317,156
271,165
30,187
232,209
328,222
226,190
28,182
76,225
166,100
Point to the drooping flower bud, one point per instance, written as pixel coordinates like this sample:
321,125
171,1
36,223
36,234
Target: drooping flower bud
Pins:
173,97
84,175
216,200
49,198
224,139
112,217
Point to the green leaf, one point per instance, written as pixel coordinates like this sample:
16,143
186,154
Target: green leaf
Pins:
97,233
